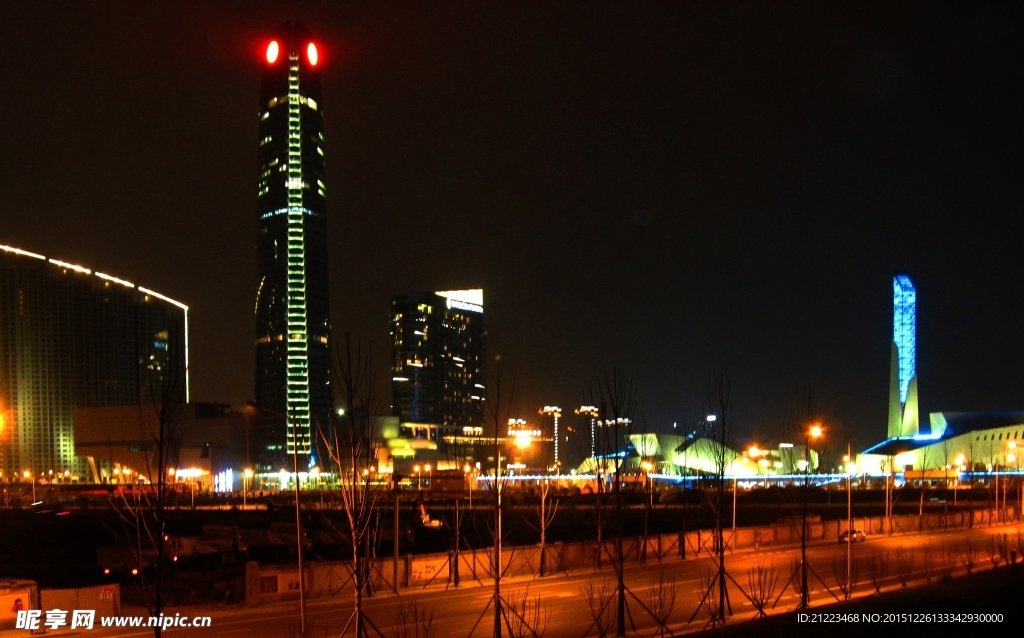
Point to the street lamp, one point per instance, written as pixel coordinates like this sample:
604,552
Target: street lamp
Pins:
1013,458
848,461
959,461
466,471
29,475
813,432
427,468
246,477
298,509
647,466
419,484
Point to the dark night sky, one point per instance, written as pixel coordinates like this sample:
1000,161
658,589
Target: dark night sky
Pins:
672,189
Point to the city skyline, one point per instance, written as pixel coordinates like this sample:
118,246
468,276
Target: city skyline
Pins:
670,191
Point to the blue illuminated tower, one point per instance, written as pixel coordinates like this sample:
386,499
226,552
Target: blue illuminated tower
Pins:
292,311
903,408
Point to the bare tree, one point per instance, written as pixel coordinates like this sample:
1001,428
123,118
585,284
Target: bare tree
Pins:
904,565
661,600
710,601
971,449
946,447
995,548
878,570
810,419
762,580
617,405
141,509
529,617
719,429
951,556
923,465
926,560
598,596
545,516
846,577
969,555
413,622
596,454
352,442
499,398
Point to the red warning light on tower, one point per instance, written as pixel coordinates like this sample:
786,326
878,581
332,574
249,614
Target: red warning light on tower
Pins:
312,55
273,49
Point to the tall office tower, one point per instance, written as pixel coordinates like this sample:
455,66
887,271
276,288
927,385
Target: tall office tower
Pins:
904,419
293,327
71,338
438,365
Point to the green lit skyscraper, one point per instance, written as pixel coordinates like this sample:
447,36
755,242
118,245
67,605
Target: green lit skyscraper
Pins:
292,311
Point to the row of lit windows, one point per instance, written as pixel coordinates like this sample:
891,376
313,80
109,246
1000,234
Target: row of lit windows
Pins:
992,437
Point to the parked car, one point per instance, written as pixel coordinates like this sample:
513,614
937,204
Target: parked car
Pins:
857,536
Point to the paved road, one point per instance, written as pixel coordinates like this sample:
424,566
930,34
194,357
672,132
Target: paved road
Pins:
456,611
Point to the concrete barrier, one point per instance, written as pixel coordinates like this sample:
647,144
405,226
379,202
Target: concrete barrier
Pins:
104,599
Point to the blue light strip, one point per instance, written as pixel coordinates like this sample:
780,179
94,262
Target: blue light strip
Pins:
904,331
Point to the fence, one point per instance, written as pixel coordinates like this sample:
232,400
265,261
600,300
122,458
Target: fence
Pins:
272,584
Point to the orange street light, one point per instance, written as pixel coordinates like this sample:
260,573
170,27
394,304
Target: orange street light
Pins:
522,440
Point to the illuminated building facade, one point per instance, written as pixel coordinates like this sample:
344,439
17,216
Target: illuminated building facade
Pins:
555,413
904,417
292,311
71,337
438,363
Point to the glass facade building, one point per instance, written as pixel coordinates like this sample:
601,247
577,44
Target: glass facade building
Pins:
71,337
292,311
438,363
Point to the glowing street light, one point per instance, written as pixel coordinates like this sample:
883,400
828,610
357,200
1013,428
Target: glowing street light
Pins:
522,440
246,477
814,432
29,475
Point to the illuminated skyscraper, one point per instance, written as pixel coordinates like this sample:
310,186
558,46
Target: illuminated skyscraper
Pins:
292,311
904,417
438,366
71,337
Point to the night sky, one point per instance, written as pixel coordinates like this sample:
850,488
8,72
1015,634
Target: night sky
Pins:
671,189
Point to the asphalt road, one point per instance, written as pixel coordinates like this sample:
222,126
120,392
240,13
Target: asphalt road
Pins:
566,607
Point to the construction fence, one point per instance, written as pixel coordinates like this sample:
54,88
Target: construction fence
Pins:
266,584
